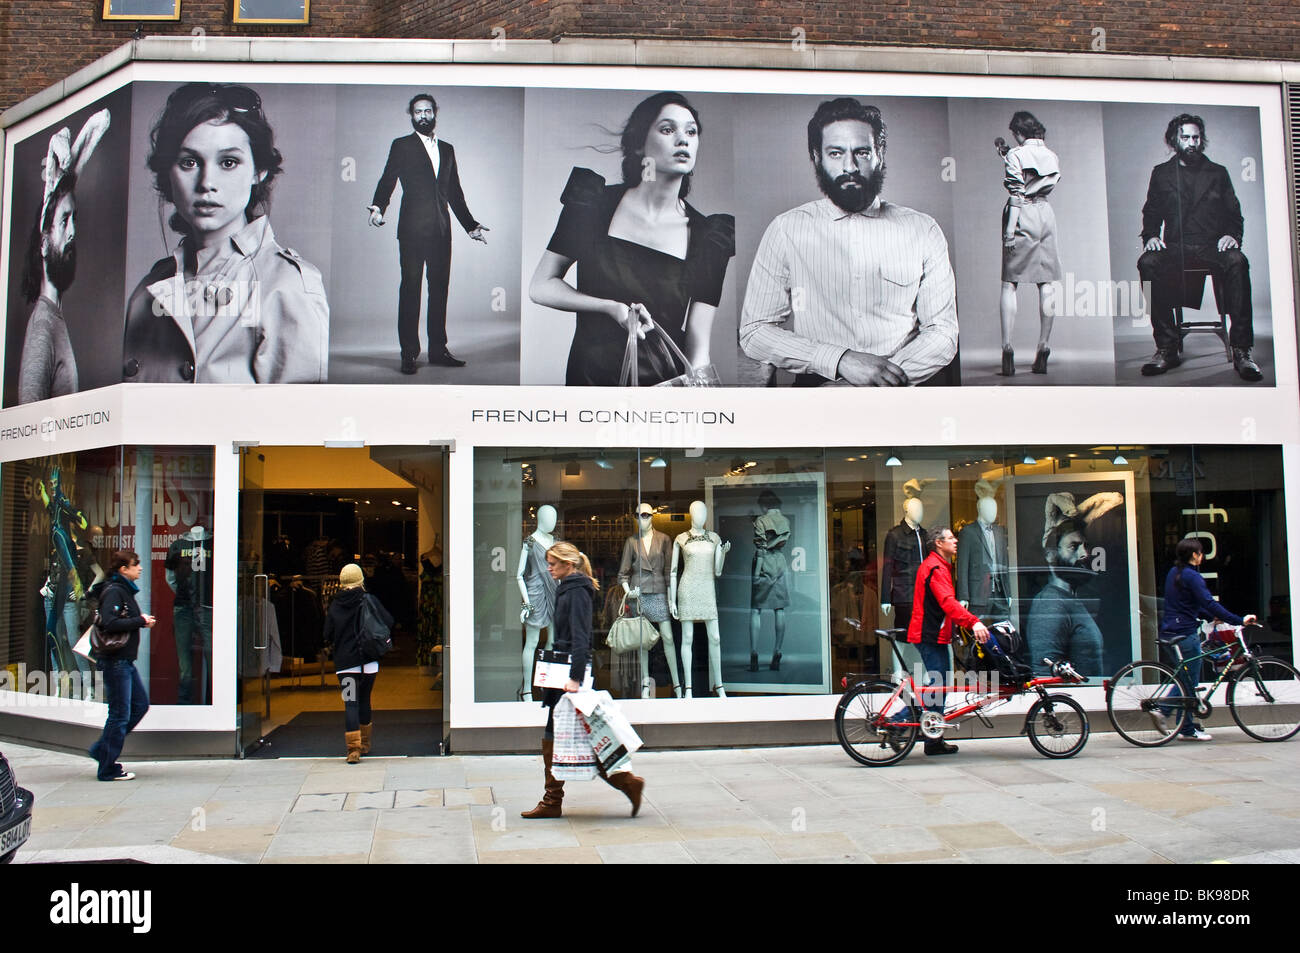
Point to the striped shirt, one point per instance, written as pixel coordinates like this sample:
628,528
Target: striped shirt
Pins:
876,281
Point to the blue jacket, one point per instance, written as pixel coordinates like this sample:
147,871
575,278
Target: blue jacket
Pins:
1187,601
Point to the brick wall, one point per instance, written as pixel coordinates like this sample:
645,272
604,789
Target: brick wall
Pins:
43,40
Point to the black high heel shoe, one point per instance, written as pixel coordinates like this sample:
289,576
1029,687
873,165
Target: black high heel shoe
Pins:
753,661
776,662
1008,362
1040,360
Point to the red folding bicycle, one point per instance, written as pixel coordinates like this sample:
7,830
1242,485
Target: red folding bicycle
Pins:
878,719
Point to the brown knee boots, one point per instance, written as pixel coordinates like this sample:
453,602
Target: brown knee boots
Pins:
365,737
629,784
552,801
353,739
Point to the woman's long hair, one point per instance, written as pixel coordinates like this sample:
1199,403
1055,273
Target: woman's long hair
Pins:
196,103
632,140
566,552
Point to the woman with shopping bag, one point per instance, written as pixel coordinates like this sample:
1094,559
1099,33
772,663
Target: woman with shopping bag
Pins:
572,632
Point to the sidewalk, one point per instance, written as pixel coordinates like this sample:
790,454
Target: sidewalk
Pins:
997,800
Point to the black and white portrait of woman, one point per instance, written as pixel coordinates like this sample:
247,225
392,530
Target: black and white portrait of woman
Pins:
230,304
650,266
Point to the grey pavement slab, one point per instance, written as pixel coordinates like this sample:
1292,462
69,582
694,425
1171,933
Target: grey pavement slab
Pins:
1231,800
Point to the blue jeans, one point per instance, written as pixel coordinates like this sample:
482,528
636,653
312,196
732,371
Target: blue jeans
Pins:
192,624
935,659
1189,645
127,704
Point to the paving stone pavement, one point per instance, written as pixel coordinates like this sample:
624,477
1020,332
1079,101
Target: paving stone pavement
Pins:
996,801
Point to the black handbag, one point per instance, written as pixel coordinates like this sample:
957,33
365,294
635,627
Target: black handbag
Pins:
106,643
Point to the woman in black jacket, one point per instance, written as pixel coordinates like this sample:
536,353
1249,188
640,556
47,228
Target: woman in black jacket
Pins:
356,672
571,633
127,699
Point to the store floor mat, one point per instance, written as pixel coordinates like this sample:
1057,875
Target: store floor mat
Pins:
319,734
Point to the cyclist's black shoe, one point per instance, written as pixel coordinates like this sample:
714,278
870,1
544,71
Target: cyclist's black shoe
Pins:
939,746
894,737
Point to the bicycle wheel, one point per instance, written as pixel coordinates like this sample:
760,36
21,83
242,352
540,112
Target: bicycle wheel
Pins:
1057,726
1264,700
861,720
1132,704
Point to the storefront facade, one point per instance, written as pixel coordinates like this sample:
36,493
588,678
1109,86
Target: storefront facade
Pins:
152,447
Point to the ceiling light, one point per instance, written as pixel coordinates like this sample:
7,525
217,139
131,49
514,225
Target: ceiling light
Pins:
1029,459
658,463
893,461
1120,460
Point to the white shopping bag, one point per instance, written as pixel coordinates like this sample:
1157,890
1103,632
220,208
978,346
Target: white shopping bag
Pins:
551,670
612,737
83,647
571,756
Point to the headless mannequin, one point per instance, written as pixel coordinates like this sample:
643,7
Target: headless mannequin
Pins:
544,534
987,510
643,539
699,517
913,514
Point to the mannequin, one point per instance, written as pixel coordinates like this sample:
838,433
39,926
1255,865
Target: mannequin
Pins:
537,589
702,553
646,558
981,582
769,589
189,574
904,553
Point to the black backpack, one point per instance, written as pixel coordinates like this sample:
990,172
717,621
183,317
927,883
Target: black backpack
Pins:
373,636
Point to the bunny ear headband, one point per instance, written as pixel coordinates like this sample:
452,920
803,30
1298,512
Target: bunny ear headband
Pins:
984,489
65,156
913,488
1060,507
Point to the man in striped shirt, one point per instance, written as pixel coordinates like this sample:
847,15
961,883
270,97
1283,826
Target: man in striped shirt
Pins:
851,289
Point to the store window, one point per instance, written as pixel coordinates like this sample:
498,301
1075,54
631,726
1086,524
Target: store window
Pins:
63,516
791,559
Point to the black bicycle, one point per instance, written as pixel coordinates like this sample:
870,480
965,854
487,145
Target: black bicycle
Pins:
1147,703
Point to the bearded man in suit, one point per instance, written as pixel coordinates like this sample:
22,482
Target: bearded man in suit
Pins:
426,167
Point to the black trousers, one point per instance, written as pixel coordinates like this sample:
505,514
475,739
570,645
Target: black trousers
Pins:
429,259
1164,271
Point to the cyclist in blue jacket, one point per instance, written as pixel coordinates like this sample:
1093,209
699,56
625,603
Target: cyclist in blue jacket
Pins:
1187,601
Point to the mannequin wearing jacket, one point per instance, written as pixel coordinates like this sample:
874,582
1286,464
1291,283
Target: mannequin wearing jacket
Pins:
904,551
981,581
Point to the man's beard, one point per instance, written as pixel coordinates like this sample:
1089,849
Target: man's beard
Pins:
61,266
1076,574
851,192
424,126
1191,155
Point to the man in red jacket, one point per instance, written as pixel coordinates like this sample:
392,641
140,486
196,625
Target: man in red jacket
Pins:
934,611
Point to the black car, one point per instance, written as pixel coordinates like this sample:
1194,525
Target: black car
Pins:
15,813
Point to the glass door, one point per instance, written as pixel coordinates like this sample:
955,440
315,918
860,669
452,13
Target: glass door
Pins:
257,642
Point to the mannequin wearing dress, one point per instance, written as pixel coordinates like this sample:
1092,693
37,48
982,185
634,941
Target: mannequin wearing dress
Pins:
770,589
693,598
645,562
537,589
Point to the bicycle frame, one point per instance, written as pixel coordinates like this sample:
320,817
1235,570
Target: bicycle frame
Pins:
1239,652
1006,691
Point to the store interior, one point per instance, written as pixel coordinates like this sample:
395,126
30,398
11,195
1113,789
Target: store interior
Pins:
306,512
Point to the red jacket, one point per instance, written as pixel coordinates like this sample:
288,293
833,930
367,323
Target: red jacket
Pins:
936,608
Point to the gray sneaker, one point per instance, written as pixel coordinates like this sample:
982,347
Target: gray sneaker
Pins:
1160,720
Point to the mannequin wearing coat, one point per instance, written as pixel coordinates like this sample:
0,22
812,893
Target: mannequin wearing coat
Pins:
537,589
643,572
693,599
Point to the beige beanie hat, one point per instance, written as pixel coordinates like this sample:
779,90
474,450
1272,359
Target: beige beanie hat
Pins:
351,576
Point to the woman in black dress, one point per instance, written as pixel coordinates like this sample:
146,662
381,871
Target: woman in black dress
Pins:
645,256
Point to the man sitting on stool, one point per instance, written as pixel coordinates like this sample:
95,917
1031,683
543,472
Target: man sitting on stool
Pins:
1193,199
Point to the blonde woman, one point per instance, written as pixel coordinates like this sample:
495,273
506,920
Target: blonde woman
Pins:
571,623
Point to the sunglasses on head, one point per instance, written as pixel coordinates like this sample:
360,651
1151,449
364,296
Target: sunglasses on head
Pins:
239,99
